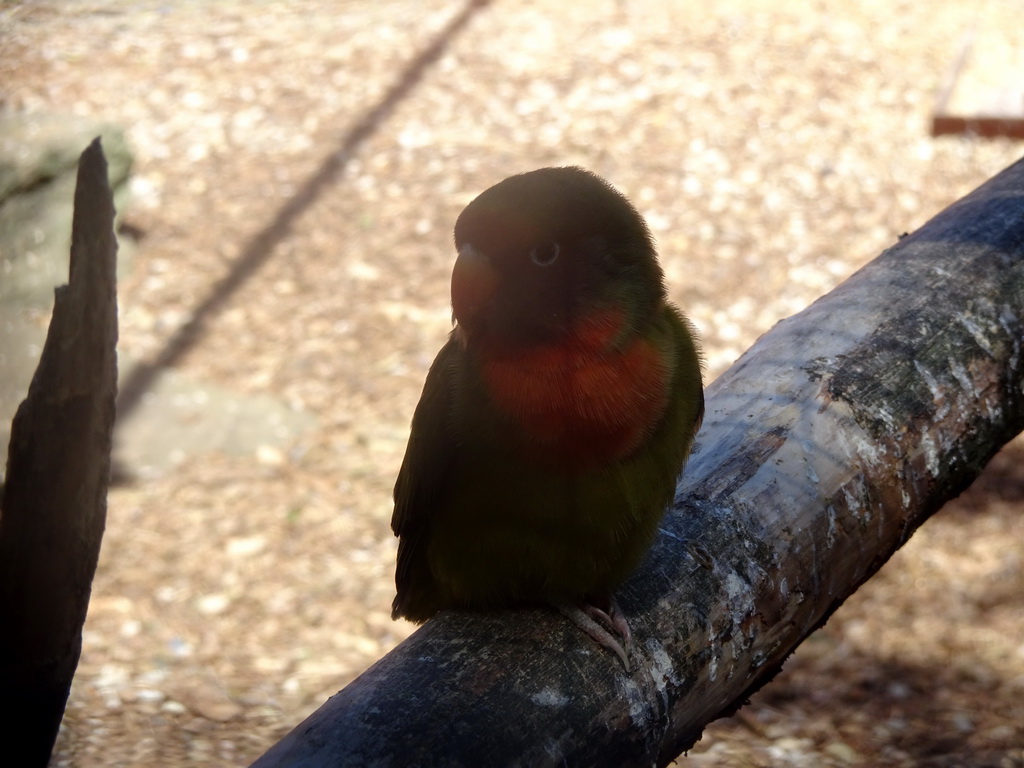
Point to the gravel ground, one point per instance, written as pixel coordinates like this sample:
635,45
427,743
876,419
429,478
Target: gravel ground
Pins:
773,148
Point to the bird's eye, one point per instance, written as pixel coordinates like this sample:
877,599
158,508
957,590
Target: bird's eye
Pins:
544,255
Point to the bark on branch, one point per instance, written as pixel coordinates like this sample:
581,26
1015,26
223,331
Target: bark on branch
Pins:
824,447
55,499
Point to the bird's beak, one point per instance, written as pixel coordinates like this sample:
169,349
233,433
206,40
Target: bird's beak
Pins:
474,280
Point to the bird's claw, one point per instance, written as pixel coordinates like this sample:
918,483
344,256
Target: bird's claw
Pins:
597,623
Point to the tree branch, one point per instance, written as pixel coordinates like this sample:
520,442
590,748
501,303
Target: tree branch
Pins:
55,500
824,447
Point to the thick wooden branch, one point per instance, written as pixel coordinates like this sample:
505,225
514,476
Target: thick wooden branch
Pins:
55,498
837,434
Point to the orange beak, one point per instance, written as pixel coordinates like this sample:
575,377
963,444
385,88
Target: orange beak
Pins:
474,281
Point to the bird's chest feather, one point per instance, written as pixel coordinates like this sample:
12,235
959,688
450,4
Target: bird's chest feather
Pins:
584,401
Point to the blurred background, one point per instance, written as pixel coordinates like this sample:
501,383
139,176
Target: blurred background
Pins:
288,175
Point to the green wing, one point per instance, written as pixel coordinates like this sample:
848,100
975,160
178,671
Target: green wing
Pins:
421,481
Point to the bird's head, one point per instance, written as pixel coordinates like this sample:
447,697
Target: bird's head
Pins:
538,253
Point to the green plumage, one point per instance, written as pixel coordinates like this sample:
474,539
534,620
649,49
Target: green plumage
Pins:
492,508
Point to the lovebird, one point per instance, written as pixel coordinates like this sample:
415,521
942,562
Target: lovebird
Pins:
555,421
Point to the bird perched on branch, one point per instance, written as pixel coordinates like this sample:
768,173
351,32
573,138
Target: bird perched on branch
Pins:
555,421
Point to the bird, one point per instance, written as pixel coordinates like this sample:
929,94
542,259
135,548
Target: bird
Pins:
556,419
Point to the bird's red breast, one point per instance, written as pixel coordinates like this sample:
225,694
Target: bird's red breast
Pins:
582,401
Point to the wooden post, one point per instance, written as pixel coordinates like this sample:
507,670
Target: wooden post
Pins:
838,433
55,499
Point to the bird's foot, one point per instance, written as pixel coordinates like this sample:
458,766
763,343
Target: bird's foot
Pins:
615,619
597,623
